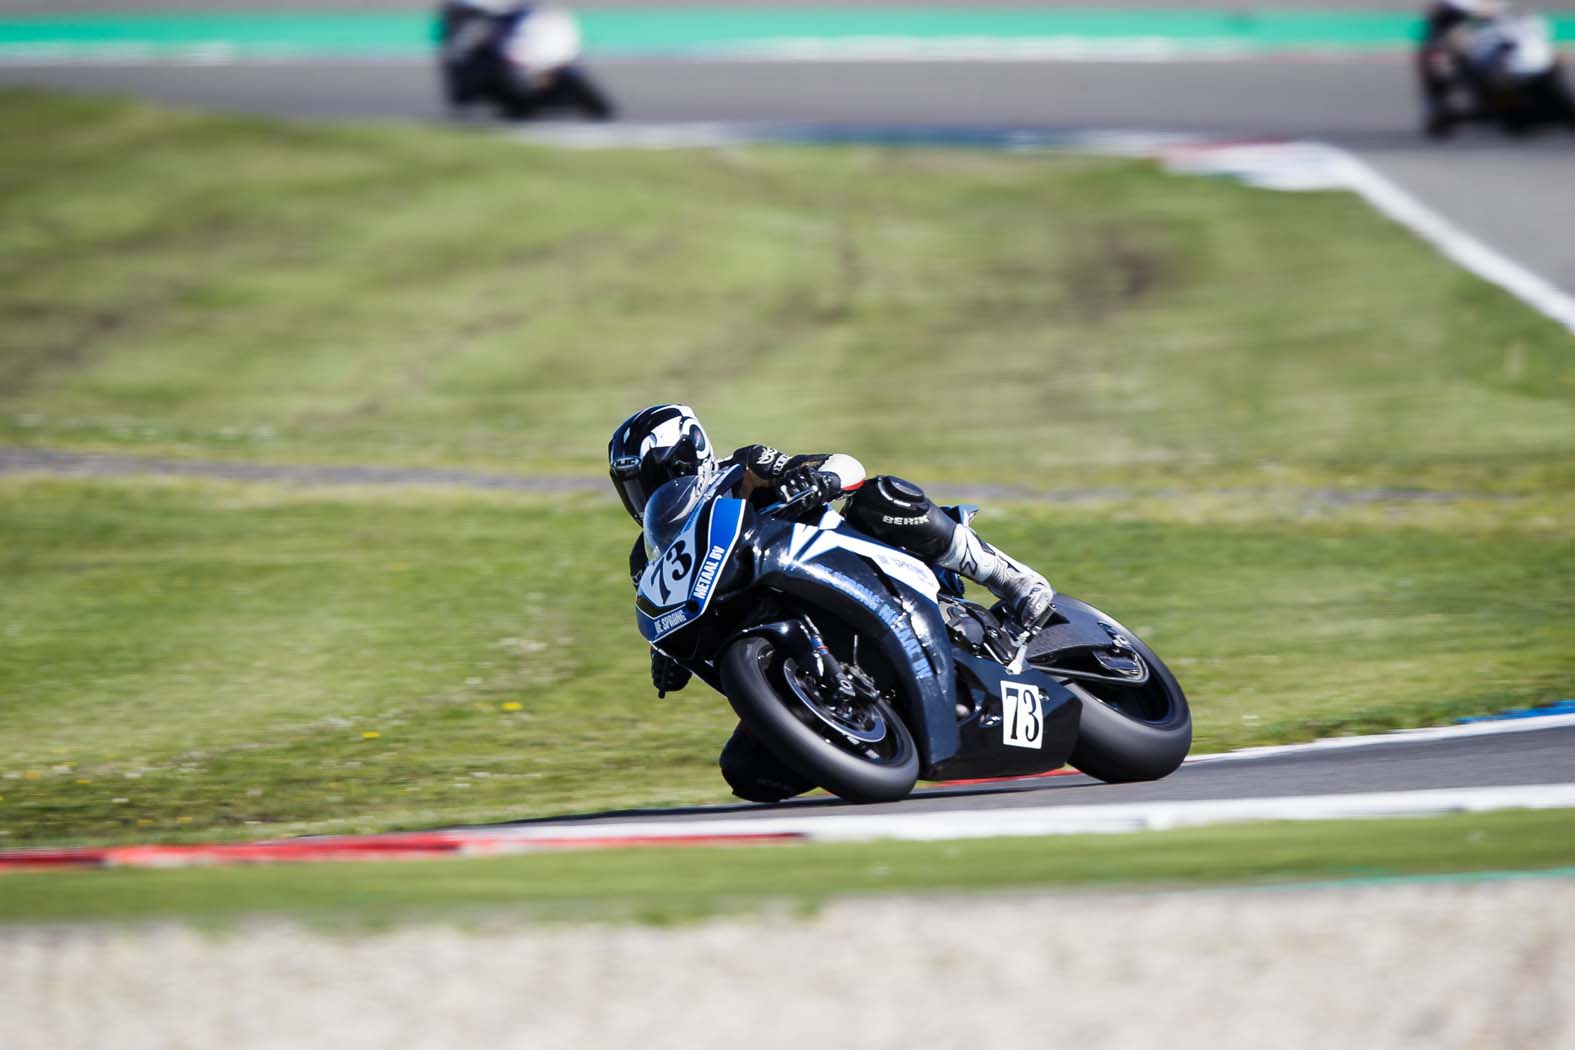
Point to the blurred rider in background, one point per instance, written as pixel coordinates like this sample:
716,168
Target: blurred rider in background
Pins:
1438,56
471,34
473,38
663,442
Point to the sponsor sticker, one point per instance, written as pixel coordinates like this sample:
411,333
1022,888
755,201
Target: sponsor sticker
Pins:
708,568
913,649
670,620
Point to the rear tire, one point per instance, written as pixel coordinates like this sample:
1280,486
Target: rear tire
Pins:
1557,100
585,94
1118,749
753,677
1128,733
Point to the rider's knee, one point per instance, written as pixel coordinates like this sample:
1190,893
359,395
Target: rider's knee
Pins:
755,774
898,512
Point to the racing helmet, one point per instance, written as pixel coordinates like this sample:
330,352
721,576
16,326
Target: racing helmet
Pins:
492,7
651,448
1475,8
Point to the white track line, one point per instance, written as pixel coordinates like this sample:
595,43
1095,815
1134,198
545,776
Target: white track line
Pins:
1062,820
1318,165
1401,736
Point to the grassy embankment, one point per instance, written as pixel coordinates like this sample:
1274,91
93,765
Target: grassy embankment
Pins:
191,659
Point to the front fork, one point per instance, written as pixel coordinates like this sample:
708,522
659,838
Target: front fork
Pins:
801,639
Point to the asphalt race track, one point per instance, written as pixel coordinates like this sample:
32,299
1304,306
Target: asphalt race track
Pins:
1527,756
1514,195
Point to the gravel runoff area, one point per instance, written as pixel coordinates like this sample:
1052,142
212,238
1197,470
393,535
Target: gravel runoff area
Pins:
1439,965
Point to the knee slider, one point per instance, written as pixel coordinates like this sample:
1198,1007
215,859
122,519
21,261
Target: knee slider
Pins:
755,774
897,511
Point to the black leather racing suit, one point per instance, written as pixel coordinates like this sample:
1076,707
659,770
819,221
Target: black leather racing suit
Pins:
1436,66
471,41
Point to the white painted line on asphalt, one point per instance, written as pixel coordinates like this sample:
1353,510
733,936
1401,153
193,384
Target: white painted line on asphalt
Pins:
1108,818
1458,245
1429,734
1318,165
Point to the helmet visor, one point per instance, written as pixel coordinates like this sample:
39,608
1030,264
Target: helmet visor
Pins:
625,474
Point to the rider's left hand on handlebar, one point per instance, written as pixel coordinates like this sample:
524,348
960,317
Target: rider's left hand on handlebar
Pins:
814,486
667,674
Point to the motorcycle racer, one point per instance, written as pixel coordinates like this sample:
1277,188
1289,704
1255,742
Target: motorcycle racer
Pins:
473,38
1481,61
1437,58
667,441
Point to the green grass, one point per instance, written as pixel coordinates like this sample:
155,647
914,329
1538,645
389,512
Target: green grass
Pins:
191,285
188,658
182,659
667,885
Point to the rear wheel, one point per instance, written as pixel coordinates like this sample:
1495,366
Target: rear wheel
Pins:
856,748
1129,731
583,92
1557,101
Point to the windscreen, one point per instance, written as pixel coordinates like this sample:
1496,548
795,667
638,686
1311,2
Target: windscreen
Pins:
667,510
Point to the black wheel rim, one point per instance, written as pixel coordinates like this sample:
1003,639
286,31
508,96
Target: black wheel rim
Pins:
859,726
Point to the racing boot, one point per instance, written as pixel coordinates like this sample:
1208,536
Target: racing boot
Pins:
1027,594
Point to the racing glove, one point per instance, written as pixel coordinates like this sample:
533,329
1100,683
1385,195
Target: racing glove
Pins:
667,674
763,461
824,485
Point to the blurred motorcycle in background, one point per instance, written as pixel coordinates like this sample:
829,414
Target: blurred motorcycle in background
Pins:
521,59
1502,70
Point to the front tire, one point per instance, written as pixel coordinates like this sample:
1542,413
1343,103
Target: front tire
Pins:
882,769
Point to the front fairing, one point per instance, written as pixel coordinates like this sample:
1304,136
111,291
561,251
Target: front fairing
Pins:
681,579
887,596
1017,722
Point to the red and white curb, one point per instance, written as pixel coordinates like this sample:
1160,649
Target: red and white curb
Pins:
868,826
392,846
951,825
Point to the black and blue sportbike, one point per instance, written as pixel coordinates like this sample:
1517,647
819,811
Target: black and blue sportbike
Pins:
522,59
866,670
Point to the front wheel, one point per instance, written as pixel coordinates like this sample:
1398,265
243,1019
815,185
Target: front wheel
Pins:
858,749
